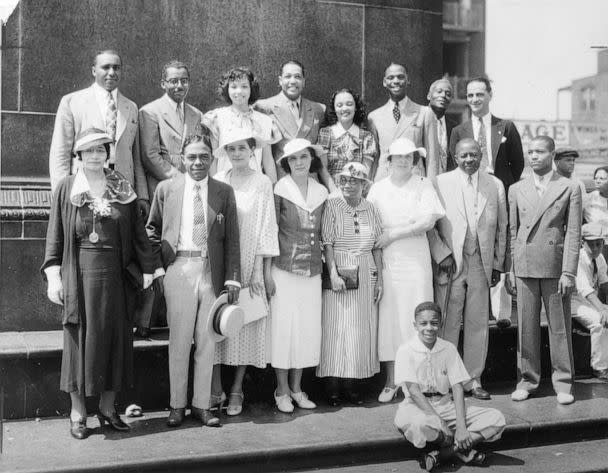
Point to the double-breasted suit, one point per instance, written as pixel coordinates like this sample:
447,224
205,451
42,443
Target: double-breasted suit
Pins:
545,241
79,111
477,252
417,123
507,157
192,282
161,136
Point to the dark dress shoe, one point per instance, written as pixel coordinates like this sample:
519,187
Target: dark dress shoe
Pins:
176,417
353,397
206,417
334,400
503,323
115,422
78,428
480,393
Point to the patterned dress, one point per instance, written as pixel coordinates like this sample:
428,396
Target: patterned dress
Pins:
258,237
344,146
350,319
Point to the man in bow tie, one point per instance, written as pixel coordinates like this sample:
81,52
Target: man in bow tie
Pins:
100,106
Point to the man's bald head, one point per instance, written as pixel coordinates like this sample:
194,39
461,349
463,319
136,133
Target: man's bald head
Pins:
468,155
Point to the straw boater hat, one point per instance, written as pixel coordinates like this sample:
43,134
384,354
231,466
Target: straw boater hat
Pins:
299,144
403,146
592,231
90,138
234,135
356,170
225,320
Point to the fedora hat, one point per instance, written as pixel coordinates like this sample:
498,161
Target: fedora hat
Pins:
234,135
356,170
299,144
404,146
90,138
225,320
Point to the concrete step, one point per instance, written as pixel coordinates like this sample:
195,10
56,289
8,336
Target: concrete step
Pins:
263,439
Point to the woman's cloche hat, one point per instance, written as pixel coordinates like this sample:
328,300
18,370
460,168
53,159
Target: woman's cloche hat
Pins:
233,135
90,138
356,170
299,144
225,320
404,146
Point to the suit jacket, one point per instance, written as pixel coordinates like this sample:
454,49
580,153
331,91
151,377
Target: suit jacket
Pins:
545,232
491,225
312,114
450,124
418,123
507,152
161,137
77,112
223,248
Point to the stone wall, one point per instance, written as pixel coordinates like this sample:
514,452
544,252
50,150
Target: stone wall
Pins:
47,50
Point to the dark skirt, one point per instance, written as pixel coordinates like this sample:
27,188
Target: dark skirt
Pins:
98,352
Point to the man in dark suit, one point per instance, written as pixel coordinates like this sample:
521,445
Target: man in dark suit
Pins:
499,139
440,97
193,227
545,225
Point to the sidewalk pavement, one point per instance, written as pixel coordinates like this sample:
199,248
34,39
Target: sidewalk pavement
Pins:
263,439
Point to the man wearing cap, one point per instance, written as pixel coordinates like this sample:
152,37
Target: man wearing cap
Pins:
565,161
100,106
401,117
193,227
591,289
502,153
545,227
475,230
440,97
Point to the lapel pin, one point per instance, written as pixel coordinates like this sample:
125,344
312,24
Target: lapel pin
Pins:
220,218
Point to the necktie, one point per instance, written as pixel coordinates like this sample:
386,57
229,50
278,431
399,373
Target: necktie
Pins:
483,144
180,115
396,113
442,135
111,116
295,110
540,187
471,206
199,228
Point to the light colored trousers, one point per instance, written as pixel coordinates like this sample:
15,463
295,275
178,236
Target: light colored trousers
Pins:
189,295
468,305
590,318
530,291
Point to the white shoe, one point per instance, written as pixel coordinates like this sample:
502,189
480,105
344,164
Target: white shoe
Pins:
520,395
283,402
302,400
388,394
565,398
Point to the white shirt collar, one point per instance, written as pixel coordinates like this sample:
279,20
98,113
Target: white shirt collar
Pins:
338,130
465,177
191,182
417,345
288,100
103,93
546,178
173,103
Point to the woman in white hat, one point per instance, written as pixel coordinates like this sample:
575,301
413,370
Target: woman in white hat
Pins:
295,279
409,207
351,227
258,243
240,89
95,238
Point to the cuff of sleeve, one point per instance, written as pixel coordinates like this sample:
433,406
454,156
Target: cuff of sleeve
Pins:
569,274
158,272
230,282
585,291
53,272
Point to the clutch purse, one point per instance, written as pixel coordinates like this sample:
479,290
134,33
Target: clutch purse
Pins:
350,274
254,308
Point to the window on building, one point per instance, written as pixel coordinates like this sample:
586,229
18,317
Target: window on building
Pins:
587,103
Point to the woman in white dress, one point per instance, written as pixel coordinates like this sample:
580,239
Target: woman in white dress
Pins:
258,243
409,207
240,89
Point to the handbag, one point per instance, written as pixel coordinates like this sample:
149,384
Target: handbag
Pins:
350,274
254,308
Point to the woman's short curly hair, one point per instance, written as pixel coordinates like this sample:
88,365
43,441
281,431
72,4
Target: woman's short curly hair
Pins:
238,73
360,118
315,164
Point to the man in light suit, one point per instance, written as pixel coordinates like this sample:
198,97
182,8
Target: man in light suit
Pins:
440,96
165,123
475,230
499,139
100,106
400,117
545,225
193,228
294,115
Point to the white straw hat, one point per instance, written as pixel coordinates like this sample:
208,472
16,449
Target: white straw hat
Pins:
403,146
299,144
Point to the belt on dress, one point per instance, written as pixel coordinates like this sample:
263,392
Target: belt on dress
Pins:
189,254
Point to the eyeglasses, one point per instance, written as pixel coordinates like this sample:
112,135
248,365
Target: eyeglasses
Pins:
356,222
349,180
184,81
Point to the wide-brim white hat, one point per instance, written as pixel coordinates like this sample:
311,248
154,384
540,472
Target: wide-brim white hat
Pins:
225,320
90,138
299,144
234,135
404,146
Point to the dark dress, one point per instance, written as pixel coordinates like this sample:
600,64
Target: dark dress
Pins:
98,342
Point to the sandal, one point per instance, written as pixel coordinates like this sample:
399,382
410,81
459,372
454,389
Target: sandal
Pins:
430,460
235,404
472,457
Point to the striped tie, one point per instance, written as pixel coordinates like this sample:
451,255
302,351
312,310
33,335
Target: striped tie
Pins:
483,144
199,229
111,116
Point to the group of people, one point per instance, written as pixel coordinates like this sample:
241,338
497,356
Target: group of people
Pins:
281,231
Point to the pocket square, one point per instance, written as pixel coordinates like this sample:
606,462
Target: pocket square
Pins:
220,218
503,139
